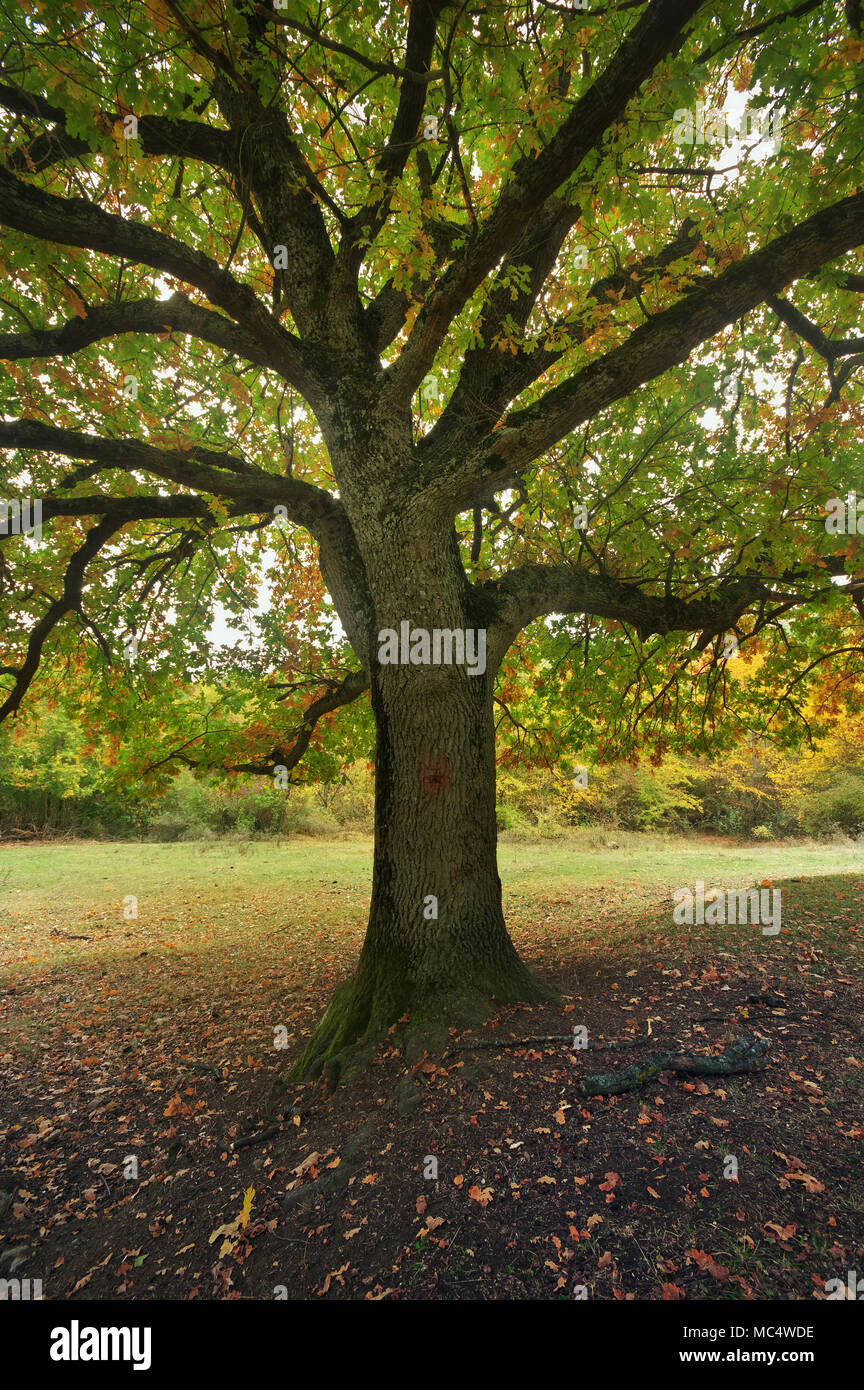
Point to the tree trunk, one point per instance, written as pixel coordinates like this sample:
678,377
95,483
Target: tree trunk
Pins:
437,951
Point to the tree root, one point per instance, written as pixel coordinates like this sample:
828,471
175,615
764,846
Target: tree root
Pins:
744,1054
377,1004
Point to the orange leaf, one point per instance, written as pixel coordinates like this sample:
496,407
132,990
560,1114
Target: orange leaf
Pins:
707,1263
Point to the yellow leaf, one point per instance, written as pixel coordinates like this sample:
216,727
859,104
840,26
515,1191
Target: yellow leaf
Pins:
248,1198
231,1229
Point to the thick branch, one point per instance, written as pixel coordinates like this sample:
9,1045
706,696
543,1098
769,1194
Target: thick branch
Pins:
530,591
196,467
665,341
78,222
419,45
288,197
656,35
829,348
157,135
124,510
151,316
743,1055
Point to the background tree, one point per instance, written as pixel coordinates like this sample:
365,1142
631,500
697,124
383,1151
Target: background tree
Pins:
403,290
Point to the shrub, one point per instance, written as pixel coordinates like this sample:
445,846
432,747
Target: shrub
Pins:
838,808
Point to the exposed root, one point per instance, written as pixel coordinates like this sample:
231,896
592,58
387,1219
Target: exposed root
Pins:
378,1004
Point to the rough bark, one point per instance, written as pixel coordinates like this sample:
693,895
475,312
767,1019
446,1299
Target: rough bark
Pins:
436,948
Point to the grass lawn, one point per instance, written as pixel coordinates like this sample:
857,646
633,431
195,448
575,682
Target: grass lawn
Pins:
152,1036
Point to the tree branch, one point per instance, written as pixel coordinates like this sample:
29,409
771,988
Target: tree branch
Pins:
158,135
350,689
69,602
419,45
196,467
405,73
657,34
491,378
828,348
530,591
78,222
288,197
154,316
665,341
755,30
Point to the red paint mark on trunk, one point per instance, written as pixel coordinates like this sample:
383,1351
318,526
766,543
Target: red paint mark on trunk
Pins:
435,774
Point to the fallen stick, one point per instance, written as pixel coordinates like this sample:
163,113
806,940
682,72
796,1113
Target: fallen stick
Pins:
744,1054
202,1066
553,1037
258,1136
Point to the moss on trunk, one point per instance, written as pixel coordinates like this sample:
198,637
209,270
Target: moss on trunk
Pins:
380,999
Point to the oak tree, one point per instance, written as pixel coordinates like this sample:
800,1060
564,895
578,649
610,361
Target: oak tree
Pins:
442,319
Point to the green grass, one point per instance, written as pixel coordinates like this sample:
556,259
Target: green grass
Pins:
659,864
234,939
309,896
90,872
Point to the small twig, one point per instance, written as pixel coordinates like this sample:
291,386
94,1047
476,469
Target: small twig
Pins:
554,1037
258,1136
202,1066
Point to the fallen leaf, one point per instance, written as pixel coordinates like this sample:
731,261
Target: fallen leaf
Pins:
708,1264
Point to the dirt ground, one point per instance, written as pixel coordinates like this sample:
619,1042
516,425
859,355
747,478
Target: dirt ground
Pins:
478,1173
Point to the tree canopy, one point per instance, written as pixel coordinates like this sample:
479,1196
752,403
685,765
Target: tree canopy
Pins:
222,220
